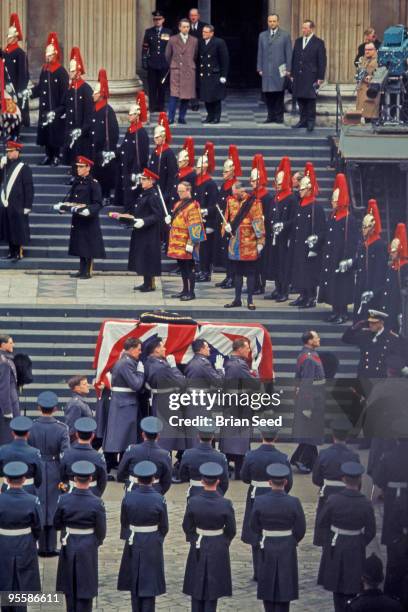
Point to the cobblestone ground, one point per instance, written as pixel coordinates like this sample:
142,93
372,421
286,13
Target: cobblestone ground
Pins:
312,597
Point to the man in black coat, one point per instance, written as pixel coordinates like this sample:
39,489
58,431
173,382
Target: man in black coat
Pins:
9,403
371,598
154,61
308,70
196,25
16,200
16,65
212,66
52,90
84,201
162,160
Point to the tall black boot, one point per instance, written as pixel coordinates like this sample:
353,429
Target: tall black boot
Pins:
190,295
185,289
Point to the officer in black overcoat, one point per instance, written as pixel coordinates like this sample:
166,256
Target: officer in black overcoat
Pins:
206,194
154,61
253,473
348,518
162,160
16,65
339,253
9,403
133,154
209,525
82,450
81,518
76,406
84,201
19,511
308,70
371,597
20,450
16,200
78,108
144,524
148,450
52,90
279,523
51,438
396,279
212,69
104,138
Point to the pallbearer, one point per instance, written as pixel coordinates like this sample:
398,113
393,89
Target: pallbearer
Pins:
206,194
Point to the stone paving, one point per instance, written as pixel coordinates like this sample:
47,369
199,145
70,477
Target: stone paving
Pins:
312,597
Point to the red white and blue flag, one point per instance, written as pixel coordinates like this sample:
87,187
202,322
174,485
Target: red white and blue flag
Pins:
177,339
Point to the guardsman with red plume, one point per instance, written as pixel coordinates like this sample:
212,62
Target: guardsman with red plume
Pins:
306,246
163,161
231,171
185,161
104,138
16,65
206,193
339,252
16,200
133,153
371,264
396,278
79,109
52,90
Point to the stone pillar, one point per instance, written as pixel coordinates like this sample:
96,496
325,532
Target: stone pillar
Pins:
105,31
204,6
6,8
144,9
43,17
284,9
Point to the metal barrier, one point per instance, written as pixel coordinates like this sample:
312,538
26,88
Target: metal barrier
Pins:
339,108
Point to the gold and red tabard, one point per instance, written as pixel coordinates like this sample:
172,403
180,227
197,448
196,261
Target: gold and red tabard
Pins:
186,229
250,232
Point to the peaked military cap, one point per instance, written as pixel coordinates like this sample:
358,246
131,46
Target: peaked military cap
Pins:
47,399
278,471
145,469
15,469
85,425
151,425
83,468
210,469
21,424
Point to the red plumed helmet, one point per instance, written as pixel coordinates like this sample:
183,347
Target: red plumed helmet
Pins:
164,122
399,242
340,191
103,83
53,45
15,27
76,63
258,172
372,209
189,147
283,174
234,157
311,174
209,152
141,101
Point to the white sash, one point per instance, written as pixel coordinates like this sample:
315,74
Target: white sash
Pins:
10,184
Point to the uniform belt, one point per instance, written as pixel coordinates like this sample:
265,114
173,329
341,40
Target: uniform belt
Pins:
141,529
345,532
27,482
15,532
133,480
261,484
159,391
122,390
207,532
267,533
398,486
75,531
193,483
72,484
330,483
319,382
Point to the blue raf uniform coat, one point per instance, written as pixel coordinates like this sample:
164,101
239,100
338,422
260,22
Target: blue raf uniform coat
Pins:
77,573
341,565
254,469
328,467
164,380
142,566
84,452
149,450
76,408
51,438
278,568
208,569
9,404
309,380
20,450
121,429
190,466
19,569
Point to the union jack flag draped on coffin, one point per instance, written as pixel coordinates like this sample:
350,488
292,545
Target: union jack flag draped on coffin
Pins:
178,339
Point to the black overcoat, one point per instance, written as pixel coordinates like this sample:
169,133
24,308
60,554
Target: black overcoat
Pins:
51,89
133,157
212,64
14,226
86,238
78,107
371,268
308,66
309,220
145,252
390,300
163,162
104,137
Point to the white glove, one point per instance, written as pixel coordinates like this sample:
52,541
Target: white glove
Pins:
167,219
171,360
138,223
57,207
27,211
133,178
76,133
259,247
50,116
404,371
277,228
140,367
204,212
344,265
367,296
311,241
26,93
85,212
3,161
189,248
219,362
223,80
311,254
228,228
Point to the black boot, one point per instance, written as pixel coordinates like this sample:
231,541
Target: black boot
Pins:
190,295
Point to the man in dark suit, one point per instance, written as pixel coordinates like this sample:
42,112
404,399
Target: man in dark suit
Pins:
308,70
196,26
213,61
154,60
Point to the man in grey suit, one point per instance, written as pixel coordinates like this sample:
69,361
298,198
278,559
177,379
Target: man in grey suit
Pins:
273,64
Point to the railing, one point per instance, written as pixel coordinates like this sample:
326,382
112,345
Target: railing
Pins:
339,108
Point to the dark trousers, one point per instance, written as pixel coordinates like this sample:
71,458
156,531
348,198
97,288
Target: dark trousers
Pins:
187,274
203,605
307,109
275,105
308,294
85,265
340,306
238,283
340,601
255,560
78,605
47,542
173,106
143,604
207,254
52,151
14,249
276,606
156,89
306,454
396,572
213,110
